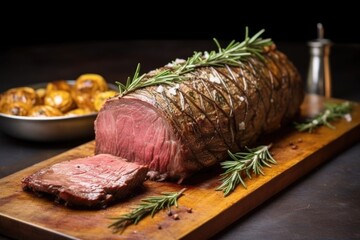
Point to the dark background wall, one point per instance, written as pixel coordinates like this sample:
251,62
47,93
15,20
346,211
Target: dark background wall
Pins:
62,23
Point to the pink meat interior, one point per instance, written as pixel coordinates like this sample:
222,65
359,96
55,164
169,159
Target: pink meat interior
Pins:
134,130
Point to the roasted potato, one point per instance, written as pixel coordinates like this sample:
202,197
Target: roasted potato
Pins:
25,95
78,111
44,111
16,108
58,85
59,99
101,97
85,89
40,95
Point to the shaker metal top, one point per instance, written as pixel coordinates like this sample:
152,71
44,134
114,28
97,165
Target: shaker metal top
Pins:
319,76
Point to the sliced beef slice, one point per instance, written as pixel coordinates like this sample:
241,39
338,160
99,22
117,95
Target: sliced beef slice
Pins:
88,182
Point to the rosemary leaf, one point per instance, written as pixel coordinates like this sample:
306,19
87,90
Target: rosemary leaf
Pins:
150,205
256,36
330,113
231,55
251,161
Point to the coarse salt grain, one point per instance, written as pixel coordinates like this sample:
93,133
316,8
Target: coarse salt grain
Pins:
160,89
172,90
214,79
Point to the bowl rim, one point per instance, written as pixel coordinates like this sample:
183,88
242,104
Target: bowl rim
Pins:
48,118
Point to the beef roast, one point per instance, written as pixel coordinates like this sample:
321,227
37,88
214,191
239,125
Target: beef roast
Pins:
91,181
179,129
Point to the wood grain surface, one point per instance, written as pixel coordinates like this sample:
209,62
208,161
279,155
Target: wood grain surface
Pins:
24,215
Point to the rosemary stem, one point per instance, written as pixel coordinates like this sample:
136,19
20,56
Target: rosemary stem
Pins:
148,206
232,55
251,161
330,113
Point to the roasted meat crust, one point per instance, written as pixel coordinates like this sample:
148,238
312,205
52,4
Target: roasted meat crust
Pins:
222,108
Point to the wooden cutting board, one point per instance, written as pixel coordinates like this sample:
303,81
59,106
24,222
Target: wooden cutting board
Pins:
24,215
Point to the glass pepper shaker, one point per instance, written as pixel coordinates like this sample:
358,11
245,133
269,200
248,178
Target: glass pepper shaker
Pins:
319,75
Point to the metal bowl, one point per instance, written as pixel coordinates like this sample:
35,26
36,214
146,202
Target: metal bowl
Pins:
49,128
60,128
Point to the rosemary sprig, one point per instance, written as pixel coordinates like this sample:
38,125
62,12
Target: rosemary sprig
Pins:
150,205
248,162
230,55
330,113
